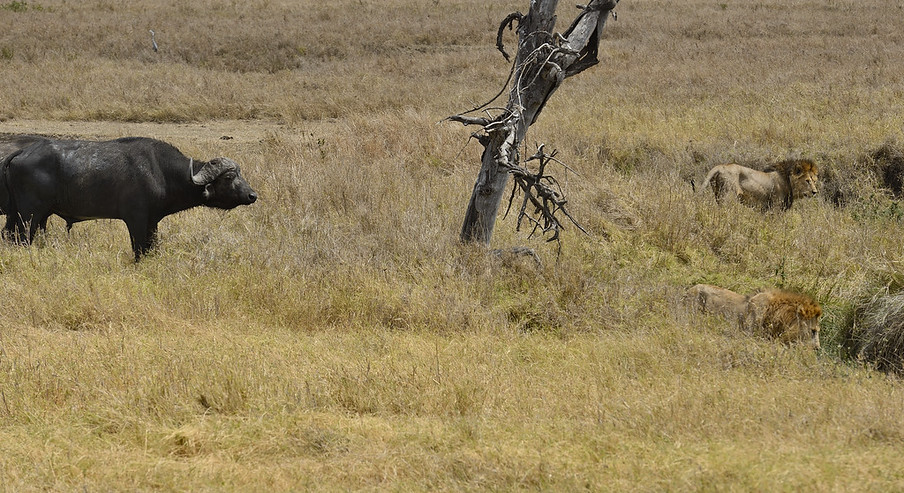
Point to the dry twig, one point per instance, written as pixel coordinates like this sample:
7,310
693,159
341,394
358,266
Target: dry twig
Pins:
543,192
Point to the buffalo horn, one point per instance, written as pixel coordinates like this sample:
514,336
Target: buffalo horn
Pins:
212,169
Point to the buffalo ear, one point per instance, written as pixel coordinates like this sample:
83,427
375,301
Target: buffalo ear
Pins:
212,169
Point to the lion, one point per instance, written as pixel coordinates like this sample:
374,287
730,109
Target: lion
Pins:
784,315
721,301
778,185
775,313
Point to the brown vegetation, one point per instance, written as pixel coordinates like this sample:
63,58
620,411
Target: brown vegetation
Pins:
889,161
876,333
336,335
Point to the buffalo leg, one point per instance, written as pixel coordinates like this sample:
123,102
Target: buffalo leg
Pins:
22,228
38,221
143,235
15,227
139,235
32,214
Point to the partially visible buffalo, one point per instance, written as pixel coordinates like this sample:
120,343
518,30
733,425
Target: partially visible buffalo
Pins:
8,145
136,179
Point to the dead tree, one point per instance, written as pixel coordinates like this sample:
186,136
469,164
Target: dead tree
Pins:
543,61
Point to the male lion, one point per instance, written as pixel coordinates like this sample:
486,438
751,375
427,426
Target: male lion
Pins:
784,315
778,184
721,301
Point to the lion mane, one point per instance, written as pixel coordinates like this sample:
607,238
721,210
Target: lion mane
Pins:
784,315
778,184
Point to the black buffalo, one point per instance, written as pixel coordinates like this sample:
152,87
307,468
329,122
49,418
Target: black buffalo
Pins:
136,179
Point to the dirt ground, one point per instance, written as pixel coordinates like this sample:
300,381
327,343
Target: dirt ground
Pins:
236,130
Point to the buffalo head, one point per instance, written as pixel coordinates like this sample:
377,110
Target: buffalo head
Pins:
224,187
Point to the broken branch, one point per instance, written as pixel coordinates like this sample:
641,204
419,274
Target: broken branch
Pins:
469,120
508,21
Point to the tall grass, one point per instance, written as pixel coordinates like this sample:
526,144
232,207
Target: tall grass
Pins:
335,335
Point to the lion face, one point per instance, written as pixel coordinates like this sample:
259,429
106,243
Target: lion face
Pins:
811,328
804,178
803,331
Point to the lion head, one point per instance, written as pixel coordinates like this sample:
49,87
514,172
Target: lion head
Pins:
784,315
801,174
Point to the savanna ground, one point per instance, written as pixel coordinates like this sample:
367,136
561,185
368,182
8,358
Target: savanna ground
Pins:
335,334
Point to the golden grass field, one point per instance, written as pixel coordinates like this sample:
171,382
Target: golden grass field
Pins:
336,336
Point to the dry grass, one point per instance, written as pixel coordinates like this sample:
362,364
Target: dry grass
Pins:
875,333
335,335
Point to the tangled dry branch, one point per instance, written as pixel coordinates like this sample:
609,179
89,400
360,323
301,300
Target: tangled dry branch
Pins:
543,192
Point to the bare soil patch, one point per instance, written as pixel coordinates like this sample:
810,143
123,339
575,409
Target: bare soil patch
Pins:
234,130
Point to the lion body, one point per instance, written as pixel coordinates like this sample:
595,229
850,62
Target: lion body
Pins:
721,301
784,315
778,185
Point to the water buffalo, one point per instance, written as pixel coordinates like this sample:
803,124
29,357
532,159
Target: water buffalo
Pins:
136,179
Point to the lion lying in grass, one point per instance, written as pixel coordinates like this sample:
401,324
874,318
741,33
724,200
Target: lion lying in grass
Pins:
784,315
775,313
778,185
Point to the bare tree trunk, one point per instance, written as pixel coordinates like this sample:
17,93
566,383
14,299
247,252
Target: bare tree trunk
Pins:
543,61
